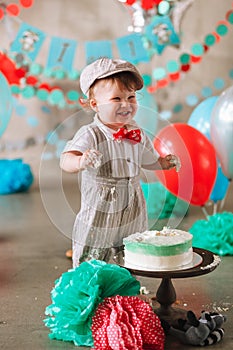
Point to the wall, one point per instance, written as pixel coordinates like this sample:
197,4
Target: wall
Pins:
93,20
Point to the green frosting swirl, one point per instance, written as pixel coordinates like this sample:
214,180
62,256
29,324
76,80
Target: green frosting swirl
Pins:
150,249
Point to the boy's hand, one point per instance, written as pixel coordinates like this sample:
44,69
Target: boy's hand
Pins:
170,161
91,159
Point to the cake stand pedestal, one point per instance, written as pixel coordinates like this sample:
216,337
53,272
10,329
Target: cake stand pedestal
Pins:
204,262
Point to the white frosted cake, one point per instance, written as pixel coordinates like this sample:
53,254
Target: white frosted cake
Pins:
165,249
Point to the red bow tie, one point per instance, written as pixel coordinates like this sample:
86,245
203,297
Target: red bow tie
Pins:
132,135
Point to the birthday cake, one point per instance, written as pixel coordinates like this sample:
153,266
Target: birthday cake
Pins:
165,249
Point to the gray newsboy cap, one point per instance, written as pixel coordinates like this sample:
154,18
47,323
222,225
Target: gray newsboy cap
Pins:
104,67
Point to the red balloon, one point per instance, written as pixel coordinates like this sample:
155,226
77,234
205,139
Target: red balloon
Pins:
196,178
8,69
26,3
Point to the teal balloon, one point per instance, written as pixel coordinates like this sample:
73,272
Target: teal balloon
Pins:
201,116
6,104
220,187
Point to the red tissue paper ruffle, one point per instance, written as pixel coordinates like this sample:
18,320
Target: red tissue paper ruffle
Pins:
126,323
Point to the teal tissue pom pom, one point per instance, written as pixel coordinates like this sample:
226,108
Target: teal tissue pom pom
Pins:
214,234
15,176
77,294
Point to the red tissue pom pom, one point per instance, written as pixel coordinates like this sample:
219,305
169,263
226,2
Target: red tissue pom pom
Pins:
126,322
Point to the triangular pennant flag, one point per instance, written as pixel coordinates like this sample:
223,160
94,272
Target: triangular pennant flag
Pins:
28,41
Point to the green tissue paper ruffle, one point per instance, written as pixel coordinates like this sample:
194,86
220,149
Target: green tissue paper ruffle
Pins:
161,203
214,234
78,292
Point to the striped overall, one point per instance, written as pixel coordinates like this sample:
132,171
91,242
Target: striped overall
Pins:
111,209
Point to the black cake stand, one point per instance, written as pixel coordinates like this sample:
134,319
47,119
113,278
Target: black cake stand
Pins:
204,262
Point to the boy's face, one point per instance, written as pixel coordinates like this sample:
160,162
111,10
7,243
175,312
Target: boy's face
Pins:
116,106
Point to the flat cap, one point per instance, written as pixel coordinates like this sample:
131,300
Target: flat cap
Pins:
105,67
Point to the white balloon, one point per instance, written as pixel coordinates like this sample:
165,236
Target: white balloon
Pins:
221,130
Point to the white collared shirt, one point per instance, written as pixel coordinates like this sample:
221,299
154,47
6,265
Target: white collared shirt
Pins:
127,158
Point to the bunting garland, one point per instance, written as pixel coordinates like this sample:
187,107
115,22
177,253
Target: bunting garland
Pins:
158,35
174,69
133,47
13,9
56,142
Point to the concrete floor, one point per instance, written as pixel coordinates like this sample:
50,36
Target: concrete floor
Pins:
32,256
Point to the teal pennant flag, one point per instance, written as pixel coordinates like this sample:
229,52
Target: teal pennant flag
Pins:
131,48
160,33
61,54
97,49
28,41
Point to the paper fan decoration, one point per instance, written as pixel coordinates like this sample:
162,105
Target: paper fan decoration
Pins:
214,234
126,323
78,292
